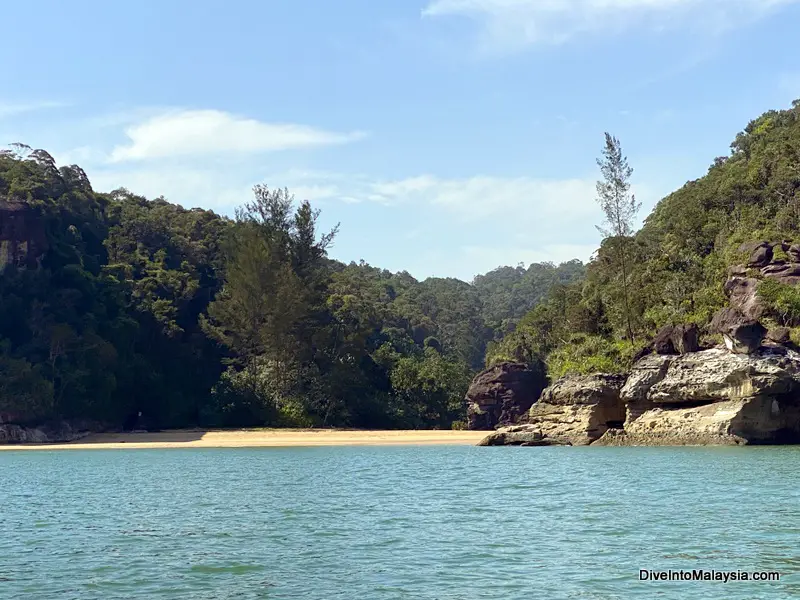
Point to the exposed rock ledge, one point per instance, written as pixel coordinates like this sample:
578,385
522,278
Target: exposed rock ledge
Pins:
46,434
712,397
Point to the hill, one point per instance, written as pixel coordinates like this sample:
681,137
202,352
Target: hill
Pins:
141,313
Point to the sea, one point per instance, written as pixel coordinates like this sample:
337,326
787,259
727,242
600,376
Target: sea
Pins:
411,522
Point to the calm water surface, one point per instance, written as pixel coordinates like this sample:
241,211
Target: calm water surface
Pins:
389,523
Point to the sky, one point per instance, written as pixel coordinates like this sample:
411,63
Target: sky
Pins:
448,137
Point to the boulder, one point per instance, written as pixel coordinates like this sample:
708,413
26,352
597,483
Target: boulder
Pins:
712,397
749,247
677,339
760,255
788,273
742,293
780,335
503,394
742,334
794,253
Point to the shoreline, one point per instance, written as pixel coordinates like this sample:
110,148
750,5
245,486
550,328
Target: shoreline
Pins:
260,438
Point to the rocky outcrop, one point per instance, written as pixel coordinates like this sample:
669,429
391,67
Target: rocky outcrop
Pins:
503,394
760,254
742,293
520,435
23,239
712,397
742,334
51,433
760,420
677,339
574,411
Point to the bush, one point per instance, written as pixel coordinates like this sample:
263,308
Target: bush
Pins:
782,301
590,354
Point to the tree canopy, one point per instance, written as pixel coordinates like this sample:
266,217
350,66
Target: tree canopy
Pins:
192,318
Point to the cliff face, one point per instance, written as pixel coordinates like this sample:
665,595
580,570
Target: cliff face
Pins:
712,397
503,394
23,240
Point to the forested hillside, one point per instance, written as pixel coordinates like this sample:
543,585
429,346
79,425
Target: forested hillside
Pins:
140,306
677,262
125,305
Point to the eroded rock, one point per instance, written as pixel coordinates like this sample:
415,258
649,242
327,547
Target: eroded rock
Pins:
503,394
677,339
520,435
742,334
760,420
760,255
577,410
780,335
712,397
742,293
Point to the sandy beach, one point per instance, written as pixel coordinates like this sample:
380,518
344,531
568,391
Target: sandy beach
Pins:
257,438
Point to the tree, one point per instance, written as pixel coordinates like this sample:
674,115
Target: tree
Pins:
620,209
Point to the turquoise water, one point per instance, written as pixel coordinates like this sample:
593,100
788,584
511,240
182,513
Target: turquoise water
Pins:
389,523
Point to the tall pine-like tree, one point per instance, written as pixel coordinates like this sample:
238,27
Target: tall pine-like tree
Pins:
620,209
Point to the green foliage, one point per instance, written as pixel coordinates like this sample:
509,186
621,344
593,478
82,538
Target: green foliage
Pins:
678,261
508,293
432,389
585,354
193,319
781,300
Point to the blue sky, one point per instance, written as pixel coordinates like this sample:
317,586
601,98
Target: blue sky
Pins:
448,136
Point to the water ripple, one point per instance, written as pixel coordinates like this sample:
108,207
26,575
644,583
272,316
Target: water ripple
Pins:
392,523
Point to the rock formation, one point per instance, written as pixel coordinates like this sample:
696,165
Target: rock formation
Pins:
51,433
22,235
503,394
746,391
742,293
677,339
760,254
742,334
712,397
574,411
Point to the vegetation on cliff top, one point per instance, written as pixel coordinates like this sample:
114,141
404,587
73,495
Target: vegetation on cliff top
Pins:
679,258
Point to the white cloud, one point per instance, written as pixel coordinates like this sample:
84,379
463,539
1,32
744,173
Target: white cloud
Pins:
476,198
207,132
11,109
510,25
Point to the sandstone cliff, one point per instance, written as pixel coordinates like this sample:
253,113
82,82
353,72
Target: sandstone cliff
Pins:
503,394
575,411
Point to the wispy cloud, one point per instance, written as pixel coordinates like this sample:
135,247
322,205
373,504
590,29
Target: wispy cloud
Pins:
205,132
11,109
509,25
